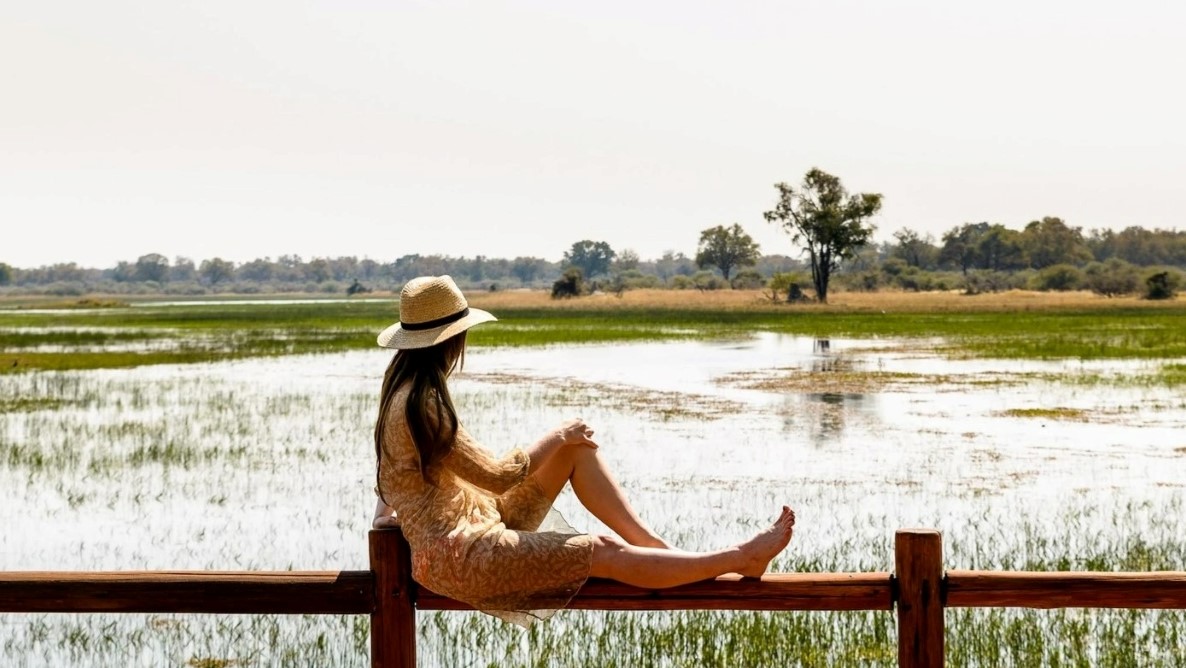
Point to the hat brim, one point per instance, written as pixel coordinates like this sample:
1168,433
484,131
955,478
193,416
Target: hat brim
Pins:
399,338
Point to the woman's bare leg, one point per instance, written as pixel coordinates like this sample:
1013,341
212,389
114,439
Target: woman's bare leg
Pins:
597,490
656,568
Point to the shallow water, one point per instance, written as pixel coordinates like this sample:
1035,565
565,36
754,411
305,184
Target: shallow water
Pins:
269,464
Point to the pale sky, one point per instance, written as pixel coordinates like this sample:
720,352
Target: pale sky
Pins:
258,128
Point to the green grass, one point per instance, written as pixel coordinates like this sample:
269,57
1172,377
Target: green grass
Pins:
126,337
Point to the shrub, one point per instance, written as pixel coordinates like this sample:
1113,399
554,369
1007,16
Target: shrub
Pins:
1162,285
747,279
706,280
570,284
681,282
894,266
788,286
995,281
1060,277
1111,278
633,279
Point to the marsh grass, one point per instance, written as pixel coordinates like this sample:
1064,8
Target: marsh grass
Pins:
1037,326
268,464
25,404
1172,375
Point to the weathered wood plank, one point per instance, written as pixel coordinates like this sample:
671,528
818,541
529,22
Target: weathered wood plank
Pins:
778,591
1027,589
918,557
229,592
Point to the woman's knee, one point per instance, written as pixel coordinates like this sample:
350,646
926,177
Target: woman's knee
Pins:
607,556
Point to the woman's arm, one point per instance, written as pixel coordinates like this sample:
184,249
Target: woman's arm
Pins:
573,432
474,464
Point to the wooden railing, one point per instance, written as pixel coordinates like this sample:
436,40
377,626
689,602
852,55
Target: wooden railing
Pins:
919,589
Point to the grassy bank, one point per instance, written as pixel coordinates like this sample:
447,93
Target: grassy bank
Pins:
1009,325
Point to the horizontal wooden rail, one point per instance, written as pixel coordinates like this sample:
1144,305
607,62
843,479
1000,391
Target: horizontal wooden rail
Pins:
228,592
776,591
919,590
1027,589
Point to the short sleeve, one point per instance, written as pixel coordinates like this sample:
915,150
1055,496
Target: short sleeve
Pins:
477,466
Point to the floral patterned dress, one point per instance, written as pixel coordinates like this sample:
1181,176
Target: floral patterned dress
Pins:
485,533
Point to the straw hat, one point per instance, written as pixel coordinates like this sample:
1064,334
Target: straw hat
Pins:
431,309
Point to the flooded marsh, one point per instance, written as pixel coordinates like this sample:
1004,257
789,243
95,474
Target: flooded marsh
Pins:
268,463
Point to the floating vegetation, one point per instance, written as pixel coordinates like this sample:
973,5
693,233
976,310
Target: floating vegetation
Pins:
1047,413
575,393
833,382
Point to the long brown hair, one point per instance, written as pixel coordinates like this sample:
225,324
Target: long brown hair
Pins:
429,410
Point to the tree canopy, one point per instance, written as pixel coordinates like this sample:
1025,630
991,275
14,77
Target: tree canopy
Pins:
726,248
829,223
591,257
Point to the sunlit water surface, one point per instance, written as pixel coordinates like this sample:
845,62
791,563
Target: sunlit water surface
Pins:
269,464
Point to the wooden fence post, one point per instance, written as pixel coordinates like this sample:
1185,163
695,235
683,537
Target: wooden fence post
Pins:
918,557
393,620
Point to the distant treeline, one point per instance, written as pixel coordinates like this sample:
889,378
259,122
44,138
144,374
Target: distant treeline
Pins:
1046,254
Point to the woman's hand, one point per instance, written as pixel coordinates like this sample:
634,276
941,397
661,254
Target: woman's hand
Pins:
384,516
576,432
388,522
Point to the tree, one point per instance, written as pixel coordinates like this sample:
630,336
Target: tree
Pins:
152,267
961,246
674,264
917,250
260,269
5,274
477,270
526,268
826,220
123,272
627,261
183,269
1050,241
317,270
726,248
590,257
999,249
216,270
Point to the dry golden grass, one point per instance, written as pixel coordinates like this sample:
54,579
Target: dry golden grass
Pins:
716,300
755,300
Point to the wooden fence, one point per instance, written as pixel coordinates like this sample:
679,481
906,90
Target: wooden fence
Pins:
919,589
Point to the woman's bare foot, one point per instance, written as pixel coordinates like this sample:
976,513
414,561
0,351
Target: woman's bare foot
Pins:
761,549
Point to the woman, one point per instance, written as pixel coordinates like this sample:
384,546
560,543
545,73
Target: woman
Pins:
474,521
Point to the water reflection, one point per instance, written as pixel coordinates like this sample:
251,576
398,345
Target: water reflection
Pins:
824,416
825,360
